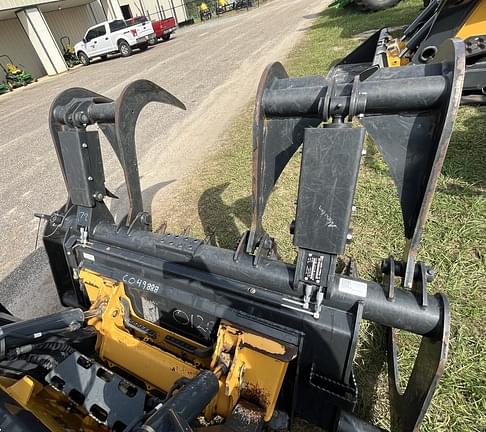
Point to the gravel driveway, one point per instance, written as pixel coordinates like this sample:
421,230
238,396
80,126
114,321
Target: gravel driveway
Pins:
213,68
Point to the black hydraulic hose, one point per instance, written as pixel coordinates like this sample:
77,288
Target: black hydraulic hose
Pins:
421,19
45,361
56,351
22,332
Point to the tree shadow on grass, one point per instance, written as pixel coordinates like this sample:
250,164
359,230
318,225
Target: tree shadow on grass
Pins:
350,21
371,365
219,219
466,156
464,168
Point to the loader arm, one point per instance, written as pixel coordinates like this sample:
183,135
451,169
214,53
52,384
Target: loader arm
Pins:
420,41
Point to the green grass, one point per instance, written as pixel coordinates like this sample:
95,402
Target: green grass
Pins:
217,203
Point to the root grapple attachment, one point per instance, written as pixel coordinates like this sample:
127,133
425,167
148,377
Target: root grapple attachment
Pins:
165,332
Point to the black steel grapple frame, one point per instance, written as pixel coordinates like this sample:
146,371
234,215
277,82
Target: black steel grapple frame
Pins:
409,112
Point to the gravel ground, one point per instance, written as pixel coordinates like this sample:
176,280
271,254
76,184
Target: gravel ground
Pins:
213,68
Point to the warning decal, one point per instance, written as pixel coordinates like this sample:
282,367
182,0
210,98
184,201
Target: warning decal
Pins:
313,268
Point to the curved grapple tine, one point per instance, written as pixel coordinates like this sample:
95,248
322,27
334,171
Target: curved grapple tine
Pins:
127,109
408,407
414,145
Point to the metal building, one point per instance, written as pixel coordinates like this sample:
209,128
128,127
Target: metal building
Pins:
156,9
30,30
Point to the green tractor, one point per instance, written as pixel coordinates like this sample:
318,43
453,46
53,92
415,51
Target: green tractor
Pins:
14,76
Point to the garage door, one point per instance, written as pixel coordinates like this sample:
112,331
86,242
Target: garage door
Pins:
15,43
72,22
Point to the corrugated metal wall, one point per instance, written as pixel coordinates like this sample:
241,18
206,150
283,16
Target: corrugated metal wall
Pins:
15,43
72,22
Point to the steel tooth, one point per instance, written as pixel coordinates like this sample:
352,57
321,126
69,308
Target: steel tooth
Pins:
186,231
210,239
163,228
350,267
273,253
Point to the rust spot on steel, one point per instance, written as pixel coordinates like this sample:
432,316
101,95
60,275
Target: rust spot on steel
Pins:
247,413
255,394
268,347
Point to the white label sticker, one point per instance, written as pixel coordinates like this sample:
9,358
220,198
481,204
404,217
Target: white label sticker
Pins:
150,310
353,287
88,256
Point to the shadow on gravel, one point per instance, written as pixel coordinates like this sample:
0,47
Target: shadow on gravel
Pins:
29,290
119,207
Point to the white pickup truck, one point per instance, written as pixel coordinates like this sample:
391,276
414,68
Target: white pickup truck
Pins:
111,37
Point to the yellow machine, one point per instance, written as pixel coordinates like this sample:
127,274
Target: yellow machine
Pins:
204,11
420,41
245,363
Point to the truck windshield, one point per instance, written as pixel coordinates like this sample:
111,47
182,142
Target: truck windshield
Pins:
117,25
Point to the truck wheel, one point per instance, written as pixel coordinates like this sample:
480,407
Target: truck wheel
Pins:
166,37
83,58
375,5
125,49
